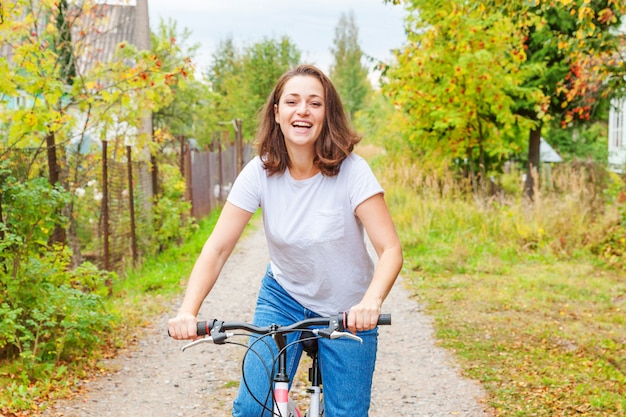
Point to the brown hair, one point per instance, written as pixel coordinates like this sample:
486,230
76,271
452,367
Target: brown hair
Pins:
336,140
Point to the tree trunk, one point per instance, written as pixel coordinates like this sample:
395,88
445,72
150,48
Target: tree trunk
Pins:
483,169
472,174
54,170
534,143
2,216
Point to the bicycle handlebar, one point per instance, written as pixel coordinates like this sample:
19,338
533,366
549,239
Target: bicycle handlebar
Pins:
338,323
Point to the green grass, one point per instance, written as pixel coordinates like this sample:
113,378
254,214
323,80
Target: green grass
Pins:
521,293
544,338
150,289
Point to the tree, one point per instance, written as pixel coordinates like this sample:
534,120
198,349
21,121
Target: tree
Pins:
348,72
570,39
560,49
67,93
226,63
188,114
458,79
244,79
55,80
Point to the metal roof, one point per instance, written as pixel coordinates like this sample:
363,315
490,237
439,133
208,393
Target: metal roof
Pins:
97,33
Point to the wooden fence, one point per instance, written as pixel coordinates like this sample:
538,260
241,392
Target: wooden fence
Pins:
210,173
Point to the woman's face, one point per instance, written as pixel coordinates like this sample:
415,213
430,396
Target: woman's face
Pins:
300,111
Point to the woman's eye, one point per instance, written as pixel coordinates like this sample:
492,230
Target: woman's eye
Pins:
316,104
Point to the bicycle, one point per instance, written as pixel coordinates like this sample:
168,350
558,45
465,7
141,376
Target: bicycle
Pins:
217,332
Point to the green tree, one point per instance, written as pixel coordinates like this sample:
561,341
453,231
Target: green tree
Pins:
226,63
571,40
189,113
555,51
348,72
243,79
63,93
460,86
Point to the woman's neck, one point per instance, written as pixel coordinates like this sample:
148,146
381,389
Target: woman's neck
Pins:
301,165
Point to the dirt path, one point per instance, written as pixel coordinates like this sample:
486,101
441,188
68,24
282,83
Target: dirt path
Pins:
413,377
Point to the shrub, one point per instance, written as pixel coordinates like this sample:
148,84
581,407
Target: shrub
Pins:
48,311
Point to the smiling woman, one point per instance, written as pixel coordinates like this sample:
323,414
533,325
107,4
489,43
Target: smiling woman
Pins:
311,26
304,96
318,200
300,115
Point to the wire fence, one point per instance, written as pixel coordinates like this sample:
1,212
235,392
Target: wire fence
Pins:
111,215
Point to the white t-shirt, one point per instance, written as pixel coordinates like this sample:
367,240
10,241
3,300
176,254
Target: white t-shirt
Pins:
316,244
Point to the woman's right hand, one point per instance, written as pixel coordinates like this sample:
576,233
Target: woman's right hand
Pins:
183,326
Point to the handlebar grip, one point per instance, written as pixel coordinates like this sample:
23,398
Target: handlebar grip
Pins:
384,319
202,328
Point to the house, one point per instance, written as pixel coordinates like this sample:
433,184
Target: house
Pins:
617,130
547,152
95,36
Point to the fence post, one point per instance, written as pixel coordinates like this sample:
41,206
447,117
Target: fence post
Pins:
239,144
105,211
131,203
181,139
220,165
187,173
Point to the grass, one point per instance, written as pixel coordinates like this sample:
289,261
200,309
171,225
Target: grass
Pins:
520,293
544,339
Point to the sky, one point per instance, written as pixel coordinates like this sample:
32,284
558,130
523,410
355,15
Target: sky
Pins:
309,25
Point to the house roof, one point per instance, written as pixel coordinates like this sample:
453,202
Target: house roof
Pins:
547,152
97,33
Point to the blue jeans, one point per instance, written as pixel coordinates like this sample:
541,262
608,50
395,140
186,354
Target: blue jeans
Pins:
347,366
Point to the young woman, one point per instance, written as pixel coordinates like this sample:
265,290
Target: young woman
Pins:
317,198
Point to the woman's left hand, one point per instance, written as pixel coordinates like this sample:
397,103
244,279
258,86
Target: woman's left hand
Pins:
363,316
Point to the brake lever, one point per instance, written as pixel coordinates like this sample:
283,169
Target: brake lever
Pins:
217,339
334,334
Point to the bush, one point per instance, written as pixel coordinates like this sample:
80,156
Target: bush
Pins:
172,222
49,312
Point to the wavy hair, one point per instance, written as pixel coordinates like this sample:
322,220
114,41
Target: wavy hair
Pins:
336,140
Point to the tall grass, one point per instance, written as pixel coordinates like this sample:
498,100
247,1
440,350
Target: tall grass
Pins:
522,292
438,216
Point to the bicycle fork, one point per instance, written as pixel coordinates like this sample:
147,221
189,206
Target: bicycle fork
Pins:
282,406
315,390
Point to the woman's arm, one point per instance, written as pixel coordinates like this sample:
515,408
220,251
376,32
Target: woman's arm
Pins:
207,268
375,216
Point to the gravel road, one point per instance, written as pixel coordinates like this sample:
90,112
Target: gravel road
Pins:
413,377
